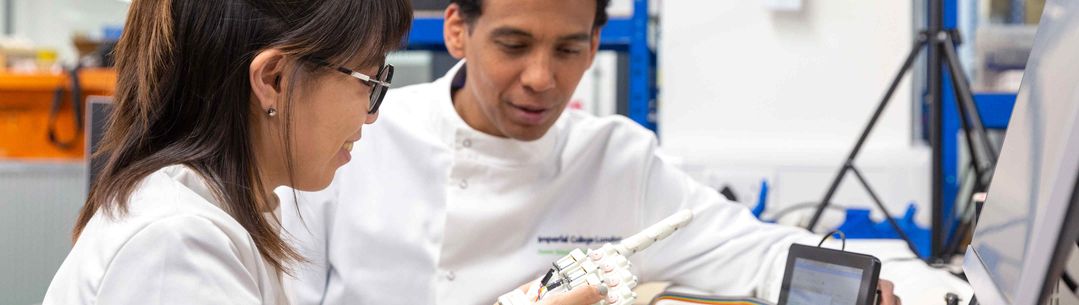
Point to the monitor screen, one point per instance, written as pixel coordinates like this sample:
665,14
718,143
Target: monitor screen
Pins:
820,283
1035,176
99,108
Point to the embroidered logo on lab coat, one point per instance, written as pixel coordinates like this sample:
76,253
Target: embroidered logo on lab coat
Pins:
578,239
560,245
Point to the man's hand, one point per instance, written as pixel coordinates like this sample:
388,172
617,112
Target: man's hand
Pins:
584,295
887,293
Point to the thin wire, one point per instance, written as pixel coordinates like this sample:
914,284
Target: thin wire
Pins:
842,236
775,217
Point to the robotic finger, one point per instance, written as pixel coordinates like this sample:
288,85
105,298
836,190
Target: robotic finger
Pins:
607,266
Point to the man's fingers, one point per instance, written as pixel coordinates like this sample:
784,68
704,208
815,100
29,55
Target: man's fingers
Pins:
887,293
584,295
524,288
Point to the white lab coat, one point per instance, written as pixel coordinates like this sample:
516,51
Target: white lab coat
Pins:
431,211
174,246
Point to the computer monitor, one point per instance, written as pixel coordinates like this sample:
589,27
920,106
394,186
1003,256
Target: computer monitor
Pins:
97,114
1029,224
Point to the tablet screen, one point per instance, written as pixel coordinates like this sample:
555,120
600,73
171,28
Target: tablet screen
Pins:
820,283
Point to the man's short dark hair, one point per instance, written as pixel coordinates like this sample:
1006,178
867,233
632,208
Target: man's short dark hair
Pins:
472,9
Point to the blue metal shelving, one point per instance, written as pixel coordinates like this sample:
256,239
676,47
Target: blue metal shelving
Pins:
995,109
629,35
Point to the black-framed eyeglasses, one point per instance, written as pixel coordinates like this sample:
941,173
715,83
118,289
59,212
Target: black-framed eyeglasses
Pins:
379,84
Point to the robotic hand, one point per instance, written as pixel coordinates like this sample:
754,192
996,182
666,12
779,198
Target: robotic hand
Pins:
607,266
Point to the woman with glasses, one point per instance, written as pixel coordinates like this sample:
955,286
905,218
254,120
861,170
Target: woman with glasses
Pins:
217,104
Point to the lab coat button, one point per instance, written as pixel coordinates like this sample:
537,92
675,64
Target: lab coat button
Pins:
463,184
450,276
466,143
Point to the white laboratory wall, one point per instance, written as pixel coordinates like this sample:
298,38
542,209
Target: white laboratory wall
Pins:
597,92
752,92
3,16
620,8
53,23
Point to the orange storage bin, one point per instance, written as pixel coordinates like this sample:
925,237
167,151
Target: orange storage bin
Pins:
26,104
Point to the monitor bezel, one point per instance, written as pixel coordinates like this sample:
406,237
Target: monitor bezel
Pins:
869,265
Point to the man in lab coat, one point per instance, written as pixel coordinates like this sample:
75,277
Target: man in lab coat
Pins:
473,184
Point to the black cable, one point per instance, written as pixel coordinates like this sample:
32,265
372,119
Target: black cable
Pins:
801,206
1069,281
547,277
554,285
966,218
842,236
883,209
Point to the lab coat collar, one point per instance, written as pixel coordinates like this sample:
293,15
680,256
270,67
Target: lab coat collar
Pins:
484,147
193,181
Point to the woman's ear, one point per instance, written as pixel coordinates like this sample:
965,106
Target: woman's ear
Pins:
456,28
266,73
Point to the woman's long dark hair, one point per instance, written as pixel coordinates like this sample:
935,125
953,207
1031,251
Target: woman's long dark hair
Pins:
183,94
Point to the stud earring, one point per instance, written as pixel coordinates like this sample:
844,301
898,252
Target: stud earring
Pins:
271,112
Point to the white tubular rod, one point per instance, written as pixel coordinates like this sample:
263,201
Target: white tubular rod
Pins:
656,232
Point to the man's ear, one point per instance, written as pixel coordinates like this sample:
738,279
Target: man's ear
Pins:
266,72
455,31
